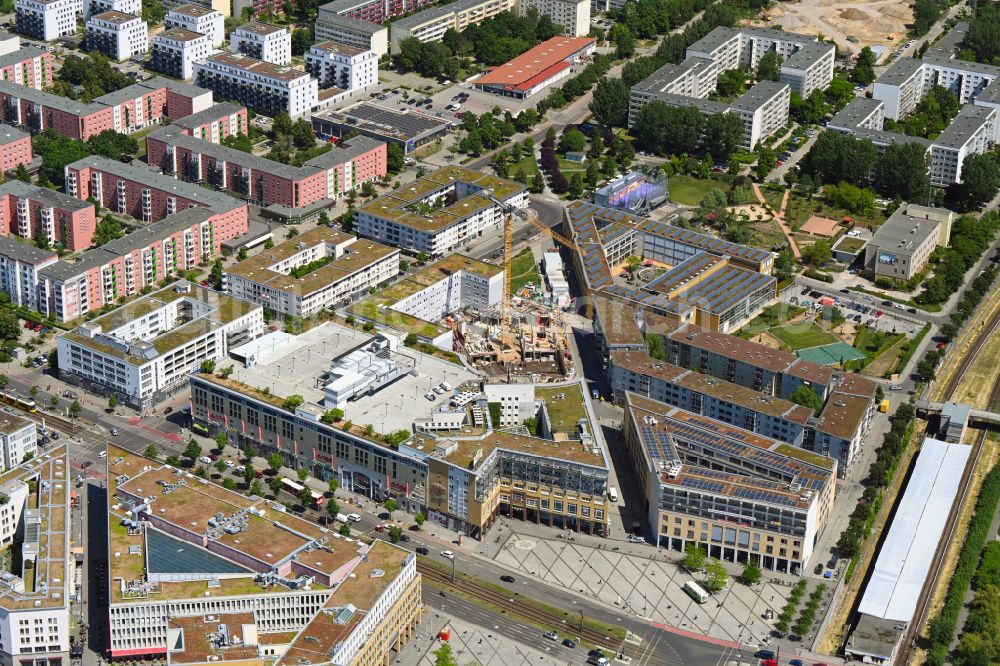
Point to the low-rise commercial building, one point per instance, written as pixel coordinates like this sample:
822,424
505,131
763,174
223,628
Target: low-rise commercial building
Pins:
15,148
175,51
430,24
118,36
34,213
342,267
270,43
200,19
572,15
714,283
407,129
146,349
741,496
36,592
20,264
46,20
322,179
262,86
902,246
280,587
341,66
537,68
441,212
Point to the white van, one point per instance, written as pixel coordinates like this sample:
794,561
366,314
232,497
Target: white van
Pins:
341,518
613,495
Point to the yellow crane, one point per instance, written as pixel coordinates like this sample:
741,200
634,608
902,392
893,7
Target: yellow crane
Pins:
508,255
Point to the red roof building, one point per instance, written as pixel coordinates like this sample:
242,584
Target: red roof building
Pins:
536,68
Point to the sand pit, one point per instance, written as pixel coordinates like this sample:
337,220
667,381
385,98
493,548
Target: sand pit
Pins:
820,226
882,22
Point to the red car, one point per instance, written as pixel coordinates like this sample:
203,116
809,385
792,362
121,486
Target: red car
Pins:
941,345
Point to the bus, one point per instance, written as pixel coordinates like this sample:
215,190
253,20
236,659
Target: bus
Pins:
316,499
200,429
695,591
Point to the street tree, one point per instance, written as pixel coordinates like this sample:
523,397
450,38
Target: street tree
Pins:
275,461
723,135
609,103
192,450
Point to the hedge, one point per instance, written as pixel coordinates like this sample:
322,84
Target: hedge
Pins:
942,627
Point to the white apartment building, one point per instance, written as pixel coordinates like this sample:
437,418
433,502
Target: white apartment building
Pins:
764,110
390,218
262,86
197,18
19,267
270,43
341,66
430,24
572,15
46,19
118,36
462,288
175,51
352,266
147,348
517,402
124,6
18,438
34,601
809,68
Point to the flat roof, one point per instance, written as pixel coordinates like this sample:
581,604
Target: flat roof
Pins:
903,233
197,646
9,134
193,10
900,72
471,453
857,111
211,114
524,71
359,255
179,35
644,364
965,125
116,17
45,480
400,125
900,572
338,47
261,28
16,248
259,67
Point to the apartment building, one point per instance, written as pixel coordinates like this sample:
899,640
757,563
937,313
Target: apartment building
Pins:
126,110
710,282
638,373
301,189
417,304
455,212
809,68
903,245
18,438
20,264
36,592
270,43
572,15
341,66
262,86
362,23
430,24
840,428
32,212
200,19
175,50
290,590
347,267
146,349
741,496
15,148
92,7
46,20
215,123
118,36
29,66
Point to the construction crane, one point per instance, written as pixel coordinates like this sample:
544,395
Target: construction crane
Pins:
508,258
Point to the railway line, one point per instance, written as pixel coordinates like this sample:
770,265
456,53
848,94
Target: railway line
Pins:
915,627
509,604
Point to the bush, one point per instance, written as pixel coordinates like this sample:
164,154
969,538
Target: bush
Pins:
816,275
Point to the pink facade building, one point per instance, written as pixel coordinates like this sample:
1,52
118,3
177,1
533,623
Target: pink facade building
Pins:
216,122
15,148
30,67
126,110
266,182
33,212
188,225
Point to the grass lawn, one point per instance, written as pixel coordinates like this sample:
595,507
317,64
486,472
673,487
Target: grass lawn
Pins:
523,270
802,336
526,164
848,244
564,413
801,209
690,191
773,197
773,315
567,166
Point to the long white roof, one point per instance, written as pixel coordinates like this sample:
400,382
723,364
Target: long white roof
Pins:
905,558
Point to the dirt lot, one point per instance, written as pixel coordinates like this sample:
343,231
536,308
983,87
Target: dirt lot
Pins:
874,22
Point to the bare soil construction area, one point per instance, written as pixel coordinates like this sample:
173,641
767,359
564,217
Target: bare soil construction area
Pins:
875,22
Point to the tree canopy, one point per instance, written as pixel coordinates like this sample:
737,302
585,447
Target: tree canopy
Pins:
663,129
836,157
980,181
723,135
769,67
901,170
610,102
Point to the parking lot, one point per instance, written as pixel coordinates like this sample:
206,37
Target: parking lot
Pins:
858,308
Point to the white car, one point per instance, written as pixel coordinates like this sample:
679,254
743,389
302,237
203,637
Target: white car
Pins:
102,454
430,396
205,459
354,518
448,554
229,463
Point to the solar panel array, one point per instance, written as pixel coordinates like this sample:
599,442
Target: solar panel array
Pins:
704,241
764,496
703,484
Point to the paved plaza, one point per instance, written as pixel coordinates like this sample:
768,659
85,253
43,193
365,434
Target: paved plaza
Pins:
471,644
648,586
